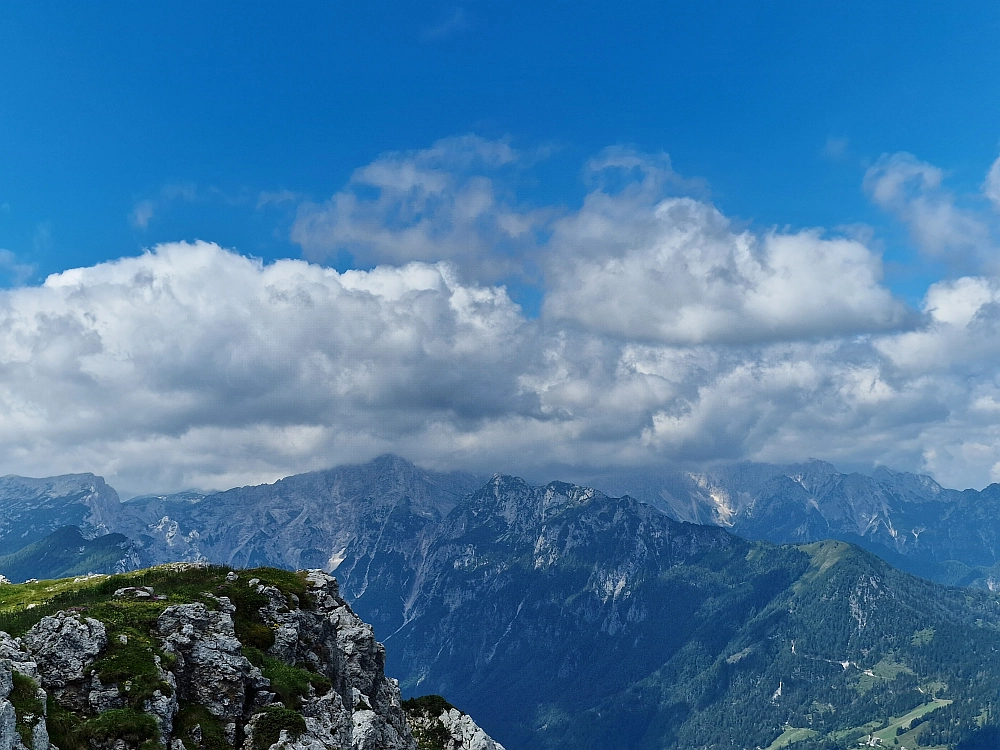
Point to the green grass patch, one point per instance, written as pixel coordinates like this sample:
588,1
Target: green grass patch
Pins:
69,732
889,669
65,728
824,555
888,734
267,728
28,708
922,637
128,724
427,705
132,667
790,735
289,682
886,670
23,605
191,716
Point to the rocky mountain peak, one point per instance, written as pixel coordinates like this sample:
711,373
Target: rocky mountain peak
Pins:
515,503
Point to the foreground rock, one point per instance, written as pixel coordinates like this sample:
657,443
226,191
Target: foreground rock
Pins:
435,722
211,659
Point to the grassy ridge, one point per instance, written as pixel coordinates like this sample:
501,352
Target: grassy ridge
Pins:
130,659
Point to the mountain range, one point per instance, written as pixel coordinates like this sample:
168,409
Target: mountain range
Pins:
327,518
565,616
951,536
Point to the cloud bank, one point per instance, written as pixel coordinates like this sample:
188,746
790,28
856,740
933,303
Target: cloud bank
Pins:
667,333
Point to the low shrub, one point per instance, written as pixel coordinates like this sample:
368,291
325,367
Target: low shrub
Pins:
134,727
267,728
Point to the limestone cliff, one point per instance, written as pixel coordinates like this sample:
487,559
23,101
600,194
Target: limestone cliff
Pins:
190,657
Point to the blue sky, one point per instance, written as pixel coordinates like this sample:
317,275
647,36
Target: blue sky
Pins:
106,105
609,168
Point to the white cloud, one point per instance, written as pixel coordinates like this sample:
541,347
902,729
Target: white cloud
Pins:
436,204
194,366
991,187
142,213
144,210
693,278
667,334
116,361
913,191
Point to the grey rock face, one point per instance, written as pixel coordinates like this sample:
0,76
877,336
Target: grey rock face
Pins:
465,733
328,721
211,669
103,698
14,655
164,707
40,737
9,738
462,732
64,646
362,711
304,521
334,640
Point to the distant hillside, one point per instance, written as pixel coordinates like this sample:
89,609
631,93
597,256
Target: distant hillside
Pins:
303,521
31,509
567,619
66,552
950,536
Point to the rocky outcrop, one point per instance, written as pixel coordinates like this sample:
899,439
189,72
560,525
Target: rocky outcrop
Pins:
9,739
14,656
447,728
205,659
210,668
465,734
333,640
63,646
32,733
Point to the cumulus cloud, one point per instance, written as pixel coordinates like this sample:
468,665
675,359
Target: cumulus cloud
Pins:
191,344
12,271
913,191
692,278
435,204
667,334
